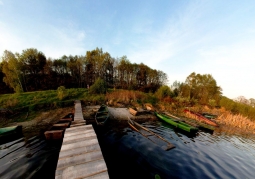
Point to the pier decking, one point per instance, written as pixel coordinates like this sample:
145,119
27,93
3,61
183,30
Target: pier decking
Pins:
80,155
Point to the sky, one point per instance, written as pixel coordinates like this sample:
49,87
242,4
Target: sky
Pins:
177,37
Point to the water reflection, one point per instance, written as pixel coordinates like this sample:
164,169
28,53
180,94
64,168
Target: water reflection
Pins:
34,158
128,154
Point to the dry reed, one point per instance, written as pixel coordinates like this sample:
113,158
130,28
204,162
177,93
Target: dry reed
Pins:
123,96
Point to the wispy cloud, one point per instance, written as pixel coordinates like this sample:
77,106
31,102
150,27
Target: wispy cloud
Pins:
52,41
162,45
186,44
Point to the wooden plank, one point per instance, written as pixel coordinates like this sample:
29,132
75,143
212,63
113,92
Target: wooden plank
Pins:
102,175
85,127
60,126
78,111
74,133
79,159
54,134
79,136
78,121
78,151
82,139
79,144
76,125
82,170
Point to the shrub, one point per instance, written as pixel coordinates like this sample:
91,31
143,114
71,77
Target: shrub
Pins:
61,92
99,87
163,92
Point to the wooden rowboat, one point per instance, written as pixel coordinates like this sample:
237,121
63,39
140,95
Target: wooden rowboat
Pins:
102,115
177,123
202,118
163,143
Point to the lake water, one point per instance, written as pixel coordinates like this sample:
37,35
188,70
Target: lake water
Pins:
128,154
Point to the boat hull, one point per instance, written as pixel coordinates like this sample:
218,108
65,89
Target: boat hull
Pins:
8,134
202,118
102,115
176,123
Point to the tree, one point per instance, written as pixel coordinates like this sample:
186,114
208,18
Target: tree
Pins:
203,88
32,66
252,102
11,69
163,92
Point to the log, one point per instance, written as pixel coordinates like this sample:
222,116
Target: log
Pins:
60,126
54,134
132,111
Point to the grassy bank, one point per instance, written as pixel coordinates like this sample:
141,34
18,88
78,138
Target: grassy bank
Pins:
26,106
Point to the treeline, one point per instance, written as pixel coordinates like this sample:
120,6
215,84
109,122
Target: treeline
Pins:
238,107
32,71
198,89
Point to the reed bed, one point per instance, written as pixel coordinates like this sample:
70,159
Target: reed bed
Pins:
226,118
237,121
125,97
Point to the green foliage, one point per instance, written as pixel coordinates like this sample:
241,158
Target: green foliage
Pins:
41,99
11,68
163,92
238,108
61,92
99,87
212,103
203,88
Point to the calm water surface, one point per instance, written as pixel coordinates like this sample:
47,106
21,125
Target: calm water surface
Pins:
128,154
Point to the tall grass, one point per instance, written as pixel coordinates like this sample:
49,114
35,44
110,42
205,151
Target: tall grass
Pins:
130,97
236,120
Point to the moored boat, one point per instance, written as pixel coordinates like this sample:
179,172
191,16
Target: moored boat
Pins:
178,124
209,116
8,134
202,118
192,122
102,115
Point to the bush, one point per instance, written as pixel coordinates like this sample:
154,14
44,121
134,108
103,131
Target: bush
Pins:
99,87
163,92
61,92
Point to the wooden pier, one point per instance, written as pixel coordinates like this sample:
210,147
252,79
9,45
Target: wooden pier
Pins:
80,155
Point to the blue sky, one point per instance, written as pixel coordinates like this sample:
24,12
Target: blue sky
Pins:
178,37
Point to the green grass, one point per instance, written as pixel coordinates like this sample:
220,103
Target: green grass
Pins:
39,99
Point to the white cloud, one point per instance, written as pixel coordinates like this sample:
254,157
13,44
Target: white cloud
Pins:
182,46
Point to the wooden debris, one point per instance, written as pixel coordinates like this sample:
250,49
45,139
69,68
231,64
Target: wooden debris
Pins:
54,134
60,126
132,111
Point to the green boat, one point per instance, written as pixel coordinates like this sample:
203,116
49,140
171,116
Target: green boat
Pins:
102,115
7,134
177,123
209,116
